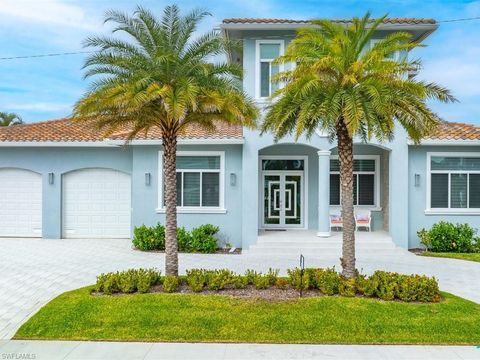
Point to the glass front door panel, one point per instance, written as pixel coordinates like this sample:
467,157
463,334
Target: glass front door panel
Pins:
293,206
272,200
283,200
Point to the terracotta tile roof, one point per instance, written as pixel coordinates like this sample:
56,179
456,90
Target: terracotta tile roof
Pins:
409,21
67,130
456,131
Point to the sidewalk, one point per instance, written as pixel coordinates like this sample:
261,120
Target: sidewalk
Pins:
53,350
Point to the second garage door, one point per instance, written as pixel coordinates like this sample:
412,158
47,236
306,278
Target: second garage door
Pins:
96,204
20,203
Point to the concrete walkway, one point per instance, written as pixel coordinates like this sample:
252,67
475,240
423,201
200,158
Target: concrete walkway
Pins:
34,271
74,350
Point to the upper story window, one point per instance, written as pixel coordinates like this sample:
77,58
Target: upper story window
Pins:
365,181
267,51
200,184
454,181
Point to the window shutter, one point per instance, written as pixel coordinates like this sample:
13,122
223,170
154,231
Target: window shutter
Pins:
439,191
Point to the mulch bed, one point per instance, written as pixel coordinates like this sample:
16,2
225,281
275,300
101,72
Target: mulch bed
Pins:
225,251
417,251
271,294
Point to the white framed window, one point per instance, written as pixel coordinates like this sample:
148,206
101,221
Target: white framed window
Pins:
366,181
200,182
453,182
266,51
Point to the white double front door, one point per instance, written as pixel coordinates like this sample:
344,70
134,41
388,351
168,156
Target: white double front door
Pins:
283,199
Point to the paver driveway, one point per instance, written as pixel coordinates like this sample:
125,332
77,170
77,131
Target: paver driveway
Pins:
33,271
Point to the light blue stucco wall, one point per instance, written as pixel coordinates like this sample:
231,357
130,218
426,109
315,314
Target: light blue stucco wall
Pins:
145,198
59,161
418,194
134,160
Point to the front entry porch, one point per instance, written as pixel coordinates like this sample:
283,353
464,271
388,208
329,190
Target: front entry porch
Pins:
306,242
299,188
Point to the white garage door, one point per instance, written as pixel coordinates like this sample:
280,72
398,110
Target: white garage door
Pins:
20,203
96,204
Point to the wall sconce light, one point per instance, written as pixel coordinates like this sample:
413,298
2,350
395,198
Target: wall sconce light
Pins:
147,179
233,179
50,178
417,180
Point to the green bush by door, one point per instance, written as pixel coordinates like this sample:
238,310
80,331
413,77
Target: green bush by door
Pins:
200,239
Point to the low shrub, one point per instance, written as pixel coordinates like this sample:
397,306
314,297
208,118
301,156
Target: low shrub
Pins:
251,275
240,282
196,279
184,239
297,280
261,282
386,284
128,281
149,238
361,283
272,275
327,281
381,284
417,288
448,237
219,279
170,284
347,287
200,239
281,283
203,238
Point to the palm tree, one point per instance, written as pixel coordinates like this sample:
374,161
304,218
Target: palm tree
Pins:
8,119
348,88
157,75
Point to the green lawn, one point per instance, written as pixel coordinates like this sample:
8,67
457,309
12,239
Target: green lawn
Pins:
461,256
77,315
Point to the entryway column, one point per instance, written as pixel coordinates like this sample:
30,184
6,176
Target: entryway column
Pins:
323,193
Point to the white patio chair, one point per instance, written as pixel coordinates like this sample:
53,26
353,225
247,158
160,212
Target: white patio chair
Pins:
336,220
363,219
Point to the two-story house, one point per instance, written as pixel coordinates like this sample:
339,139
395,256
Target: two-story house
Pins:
62,179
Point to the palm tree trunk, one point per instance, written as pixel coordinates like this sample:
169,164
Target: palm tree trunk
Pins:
169,168
345,155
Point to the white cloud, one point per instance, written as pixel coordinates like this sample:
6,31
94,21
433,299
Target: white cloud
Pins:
53,13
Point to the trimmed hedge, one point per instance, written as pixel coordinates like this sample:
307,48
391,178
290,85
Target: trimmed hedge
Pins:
448,237
201,239
381,284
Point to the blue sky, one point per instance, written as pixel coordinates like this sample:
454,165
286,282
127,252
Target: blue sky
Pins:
46,88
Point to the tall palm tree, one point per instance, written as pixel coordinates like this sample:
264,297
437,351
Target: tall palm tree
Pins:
349,88
8,119
157,75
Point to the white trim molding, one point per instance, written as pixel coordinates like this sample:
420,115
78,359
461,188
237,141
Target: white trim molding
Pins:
257,81
195,209
448,211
